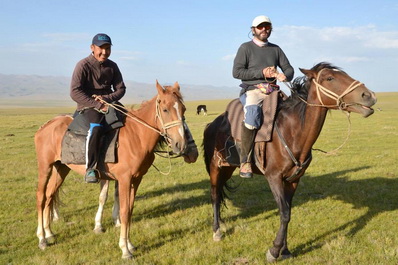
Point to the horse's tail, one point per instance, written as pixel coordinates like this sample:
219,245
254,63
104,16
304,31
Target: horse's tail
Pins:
209,140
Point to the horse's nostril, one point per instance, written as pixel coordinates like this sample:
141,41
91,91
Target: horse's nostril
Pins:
366,95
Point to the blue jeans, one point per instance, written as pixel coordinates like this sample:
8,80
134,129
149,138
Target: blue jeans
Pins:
252,102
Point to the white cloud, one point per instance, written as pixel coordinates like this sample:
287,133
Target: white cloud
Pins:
66,37
228,57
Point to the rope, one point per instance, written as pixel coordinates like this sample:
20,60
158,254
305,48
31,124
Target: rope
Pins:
339,103
333,152
166,126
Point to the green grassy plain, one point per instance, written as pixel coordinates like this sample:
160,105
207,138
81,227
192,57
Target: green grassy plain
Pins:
345,210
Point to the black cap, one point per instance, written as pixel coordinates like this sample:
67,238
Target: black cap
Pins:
101,39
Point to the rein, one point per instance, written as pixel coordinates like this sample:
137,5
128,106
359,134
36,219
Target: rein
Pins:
330,94
339,103
165,126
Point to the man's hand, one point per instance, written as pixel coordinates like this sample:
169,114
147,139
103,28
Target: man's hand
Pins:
269,72
104,108
96,97
281,77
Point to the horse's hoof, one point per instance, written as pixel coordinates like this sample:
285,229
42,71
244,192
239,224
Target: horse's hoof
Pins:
270,258
286,256
98,230
131,248
43,244
217,236
127,256
50,240
223,227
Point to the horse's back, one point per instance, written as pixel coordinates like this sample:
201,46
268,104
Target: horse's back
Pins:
49,137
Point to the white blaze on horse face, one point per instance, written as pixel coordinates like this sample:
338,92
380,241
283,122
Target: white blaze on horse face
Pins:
181,129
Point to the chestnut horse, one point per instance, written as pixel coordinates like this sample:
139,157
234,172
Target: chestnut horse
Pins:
298,124
162,116
190,155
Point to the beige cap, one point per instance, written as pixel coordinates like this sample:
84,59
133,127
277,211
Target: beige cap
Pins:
260,19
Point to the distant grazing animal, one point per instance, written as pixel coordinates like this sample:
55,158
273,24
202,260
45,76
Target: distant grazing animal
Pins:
201,108
285,158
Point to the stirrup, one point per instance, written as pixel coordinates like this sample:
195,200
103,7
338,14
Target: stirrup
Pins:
90,176
247,167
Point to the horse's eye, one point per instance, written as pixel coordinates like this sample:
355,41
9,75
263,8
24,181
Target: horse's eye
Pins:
165,110
330,78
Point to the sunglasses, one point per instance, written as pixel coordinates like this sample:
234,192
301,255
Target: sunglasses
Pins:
267,27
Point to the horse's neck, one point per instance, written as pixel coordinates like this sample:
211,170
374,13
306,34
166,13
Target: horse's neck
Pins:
143,122
305,135
314,120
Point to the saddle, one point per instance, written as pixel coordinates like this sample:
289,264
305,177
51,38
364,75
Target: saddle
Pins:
231,128
73,147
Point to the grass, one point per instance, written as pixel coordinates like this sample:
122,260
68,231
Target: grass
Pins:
344,212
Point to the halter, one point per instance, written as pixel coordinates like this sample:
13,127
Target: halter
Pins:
168,125
339,99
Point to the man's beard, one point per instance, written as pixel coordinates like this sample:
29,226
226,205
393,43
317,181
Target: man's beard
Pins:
262,36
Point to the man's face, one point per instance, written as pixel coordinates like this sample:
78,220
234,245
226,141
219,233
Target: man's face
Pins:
101,53
262,31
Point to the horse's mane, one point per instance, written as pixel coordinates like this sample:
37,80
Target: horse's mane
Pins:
299,91
146,102
162,142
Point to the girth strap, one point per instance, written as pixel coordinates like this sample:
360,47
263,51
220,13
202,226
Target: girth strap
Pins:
299,166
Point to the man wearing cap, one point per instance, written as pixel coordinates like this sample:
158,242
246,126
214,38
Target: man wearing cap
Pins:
256,65
96,79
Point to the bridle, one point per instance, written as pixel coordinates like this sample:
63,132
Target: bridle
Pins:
339,104
330,94
164,126
168,125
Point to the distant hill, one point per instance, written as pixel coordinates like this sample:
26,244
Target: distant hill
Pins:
34,87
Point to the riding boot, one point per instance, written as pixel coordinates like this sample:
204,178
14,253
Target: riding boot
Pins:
92,152
247,142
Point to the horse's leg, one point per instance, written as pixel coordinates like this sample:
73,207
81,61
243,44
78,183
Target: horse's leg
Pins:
104,188
283,194
43,177
136,183
218,178
289,189
58,174
116,206
127,189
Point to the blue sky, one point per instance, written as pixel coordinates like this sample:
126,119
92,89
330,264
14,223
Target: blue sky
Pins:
194,42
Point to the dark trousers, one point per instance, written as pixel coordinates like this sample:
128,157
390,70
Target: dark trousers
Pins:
94,137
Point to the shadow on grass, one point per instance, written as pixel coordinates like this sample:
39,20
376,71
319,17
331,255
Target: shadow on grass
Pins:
377,195
254,197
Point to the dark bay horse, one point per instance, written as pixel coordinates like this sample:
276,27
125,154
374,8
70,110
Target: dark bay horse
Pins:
162,116
297,126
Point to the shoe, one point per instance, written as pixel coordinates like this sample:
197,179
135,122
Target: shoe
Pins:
90,176
246,170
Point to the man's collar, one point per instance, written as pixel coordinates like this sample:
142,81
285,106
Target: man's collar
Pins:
259,42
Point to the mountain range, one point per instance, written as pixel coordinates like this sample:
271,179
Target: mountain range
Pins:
34,87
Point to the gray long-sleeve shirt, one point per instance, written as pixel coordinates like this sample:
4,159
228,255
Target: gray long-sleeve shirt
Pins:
251,59
93,77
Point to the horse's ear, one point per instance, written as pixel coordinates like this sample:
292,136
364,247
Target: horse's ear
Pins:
308,73
176,86
159,87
